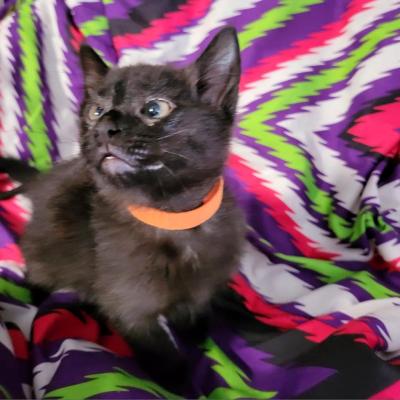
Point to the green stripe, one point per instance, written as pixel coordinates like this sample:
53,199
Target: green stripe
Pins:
369,283
321,201
14,291
95,27
234,377
367,219
331,273
254,125
116,381
4,393
327,269
273,19
35,127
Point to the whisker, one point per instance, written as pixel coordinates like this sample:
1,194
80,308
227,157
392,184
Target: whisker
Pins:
176,154
176,177
170,135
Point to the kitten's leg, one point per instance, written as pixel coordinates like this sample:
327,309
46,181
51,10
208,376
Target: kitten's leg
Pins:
190,323
160,356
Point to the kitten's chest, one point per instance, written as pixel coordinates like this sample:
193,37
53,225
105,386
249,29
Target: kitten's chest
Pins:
140,265
160,267
167,257
133,248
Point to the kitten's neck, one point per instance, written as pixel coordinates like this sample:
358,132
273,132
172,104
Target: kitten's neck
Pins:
186,199
177,221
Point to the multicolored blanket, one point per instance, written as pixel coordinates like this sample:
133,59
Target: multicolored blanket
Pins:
315,311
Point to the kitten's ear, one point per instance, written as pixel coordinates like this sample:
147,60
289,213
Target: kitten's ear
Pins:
94,68
216,73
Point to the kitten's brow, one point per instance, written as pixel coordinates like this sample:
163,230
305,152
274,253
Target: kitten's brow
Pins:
119,92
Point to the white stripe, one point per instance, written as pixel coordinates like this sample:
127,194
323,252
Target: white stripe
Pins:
8,104
62,98
21,315
326,299
181,45
318,56
369,307
5,339
390,250
25,205
387,200
389,197
390,318
44,372
388,355
386,311
317,118
75,3
277,283
286,190
12,266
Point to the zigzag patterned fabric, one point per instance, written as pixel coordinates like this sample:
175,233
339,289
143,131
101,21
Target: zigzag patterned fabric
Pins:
315,164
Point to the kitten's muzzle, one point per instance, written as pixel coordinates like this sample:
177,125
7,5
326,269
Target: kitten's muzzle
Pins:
114,159
139,150
111,152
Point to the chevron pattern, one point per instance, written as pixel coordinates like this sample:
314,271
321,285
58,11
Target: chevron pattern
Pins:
314,163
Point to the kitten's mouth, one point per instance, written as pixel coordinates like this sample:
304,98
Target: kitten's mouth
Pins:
115,162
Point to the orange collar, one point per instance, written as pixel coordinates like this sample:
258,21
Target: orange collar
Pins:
178,221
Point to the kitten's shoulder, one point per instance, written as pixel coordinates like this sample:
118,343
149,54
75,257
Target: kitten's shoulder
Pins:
62,195
64,177
58,242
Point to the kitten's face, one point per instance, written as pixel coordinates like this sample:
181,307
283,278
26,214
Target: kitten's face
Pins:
157,126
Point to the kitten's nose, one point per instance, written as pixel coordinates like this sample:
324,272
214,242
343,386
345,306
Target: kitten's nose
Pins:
113,131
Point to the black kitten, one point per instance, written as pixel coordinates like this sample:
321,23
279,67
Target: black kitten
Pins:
150,136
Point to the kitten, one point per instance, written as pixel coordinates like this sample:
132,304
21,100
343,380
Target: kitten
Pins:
151,136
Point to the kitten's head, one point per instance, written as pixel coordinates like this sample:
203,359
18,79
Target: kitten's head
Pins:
158,128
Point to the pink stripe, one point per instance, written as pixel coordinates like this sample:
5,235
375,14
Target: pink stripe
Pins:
394,265
379,264
362,333
380,130
12,253
170,23
301,47
10,211
277,209
317,330
390,393
269,314
1,124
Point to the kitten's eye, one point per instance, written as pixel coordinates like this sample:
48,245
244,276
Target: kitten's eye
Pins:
157,109
96,112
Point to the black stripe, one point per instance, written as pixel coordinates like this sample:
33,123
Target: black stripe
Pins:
360,373
119,93
141,16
